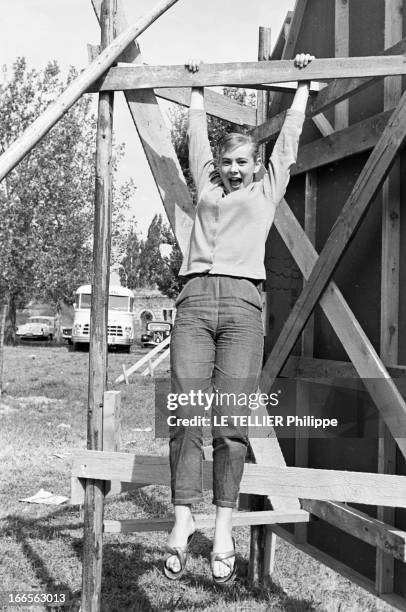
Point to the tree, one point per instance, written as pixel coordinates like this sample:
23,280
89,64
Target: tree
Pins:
46,202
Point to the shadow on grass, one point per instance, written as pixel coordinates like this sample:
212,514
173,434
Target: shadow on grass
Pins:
132,578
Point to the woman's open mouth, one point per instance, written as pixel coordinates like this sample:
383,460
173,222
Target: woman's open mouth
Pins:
235,183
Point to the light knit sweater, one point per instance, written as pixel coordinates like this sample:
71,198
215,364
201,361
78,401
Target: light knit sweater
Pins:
230,229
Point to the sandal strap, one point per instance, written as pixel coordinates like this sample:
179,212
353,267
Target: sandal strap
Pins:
218,556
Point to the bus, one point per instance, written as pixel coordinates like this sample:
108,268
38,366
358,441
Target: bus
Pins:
121,318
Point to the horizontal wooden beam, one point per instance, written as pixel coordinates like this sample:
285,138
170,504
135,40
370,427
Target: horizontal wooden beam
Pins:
319,369
207,521
335,485
216,104
328,97
248,73
354,139
360,525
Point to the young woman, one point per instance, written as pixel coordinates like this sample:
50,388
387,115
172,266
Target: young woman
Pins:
217,339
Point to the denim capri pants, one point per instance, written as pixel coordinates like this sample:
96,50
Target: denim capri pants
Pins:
216,348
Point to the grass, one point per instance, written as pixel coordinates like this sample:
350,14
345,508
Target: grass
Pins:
41,546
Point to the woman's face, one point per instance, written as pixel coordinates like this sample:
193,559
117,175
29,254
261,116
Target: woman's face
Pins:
237,167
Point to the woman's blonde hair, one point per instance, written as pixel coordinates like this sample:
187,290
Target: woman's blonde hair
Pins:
235,139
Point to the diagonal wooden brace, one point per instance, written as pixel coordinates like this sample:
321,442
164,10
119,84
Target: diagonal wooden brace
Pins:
366,361
156,141
365,189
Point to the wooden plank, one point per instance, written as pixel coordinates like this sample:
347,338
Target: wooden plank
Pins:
158,148
306,483
360,350
294,29
365,189
216,104
394,600
332,94
373,531
305,367
205,521
323,125
247,73
341,49
260,539
303,400
80,85
391,202
143,360
357,138
95,490
288,50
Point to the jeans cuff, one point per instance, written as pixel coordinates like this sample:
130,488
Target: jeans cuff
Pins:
224,503
187,501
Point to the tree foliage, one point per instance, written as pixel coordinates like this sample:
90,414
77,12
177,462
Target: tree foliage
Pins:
46,202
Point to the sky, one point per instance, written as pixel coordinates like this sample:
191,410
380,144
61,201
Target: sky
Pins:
213,30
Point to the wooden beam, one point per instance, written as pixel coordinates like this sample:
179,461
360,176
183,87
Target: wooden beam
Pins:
294,29
80,85
320,369
356,138
391,206
323,124
161,156
248,73
95,489
365,189
362,526
306,483
303,400
206,521
260,539
216,104
341,49
332,94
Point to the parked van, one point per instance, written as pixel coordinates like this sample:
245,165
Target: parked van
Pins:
121,318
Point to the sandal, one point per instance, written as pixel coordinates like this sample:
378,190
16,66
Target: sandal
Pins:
182,553
215,556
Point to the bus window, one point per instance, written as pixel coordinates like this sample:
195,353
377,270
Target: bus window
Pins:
118,302
85,300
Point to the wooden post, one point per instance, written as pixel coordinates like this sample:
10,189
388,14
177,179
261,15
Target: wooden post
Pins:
260,537
307,342
342,49
95,489
389,291
3,316
57,109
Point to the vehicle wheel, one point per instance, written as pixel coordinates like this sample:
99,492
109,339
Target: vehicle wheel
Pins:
74,347
127,349
50,337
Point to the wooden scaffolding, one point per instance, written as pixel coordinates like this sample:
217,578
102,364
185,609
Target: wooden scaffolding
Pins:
348,170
